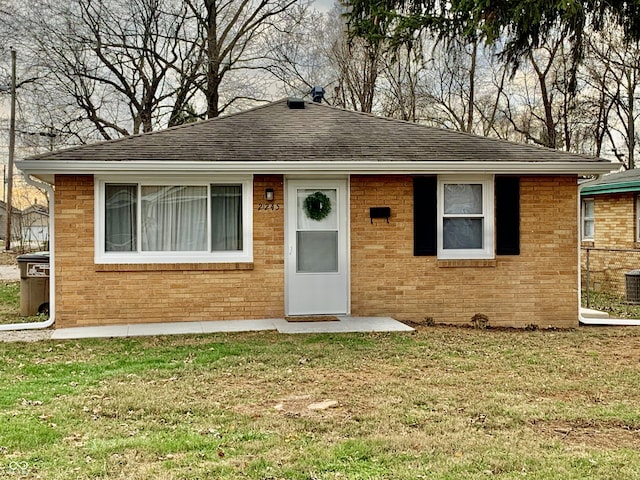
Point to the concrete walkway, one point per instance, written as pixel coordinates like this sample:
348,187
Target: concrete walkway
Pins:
9,273
344,324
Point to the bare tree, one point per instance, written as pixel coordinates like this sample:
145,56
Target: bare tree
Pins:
615,70
298,58
231,35
130,66
401,83
447,85
595,101
541,96
114,58
462,86
356,65
358,70
490,86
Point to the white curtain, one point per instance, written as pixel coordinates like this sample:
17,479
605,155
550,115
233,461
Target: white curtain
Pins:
174,218
226,217
120,218
460,231
462,198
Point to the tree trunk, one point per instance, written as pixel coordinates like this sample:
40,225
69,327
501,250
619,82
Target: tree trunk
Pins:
472,86
213,63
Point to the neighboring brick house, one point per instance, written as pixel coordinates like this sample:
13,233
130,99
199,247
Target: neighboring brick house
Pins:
610,230
298,208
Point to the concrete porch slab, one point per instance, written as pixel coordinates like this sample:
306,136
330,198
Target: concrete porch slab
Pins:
345,324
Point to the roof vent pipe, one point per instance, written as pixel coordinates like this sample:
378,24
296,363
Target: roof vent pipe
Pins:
317,93
295,103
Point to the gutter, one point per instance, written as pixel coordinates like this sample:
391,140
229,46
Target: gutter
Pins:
52,300
622,187
608,321
371,166
582,317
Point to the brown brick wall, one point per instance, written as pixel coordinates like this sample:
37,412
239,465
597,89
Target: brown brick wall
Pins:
615,216
614,221
536,287
87,296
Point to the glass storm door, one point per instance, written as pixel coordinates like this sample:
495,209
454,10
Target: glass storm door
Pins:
316,251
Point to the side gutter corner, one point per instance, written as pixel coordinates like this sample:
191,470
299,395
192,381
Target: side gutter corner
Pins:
52,301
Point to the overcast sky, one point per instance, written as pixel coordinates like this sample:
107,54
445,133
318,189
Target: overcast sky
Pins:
323,5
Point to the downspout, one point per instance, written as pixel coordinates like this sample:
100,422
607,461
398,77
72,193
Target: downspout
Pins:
52,299
585,320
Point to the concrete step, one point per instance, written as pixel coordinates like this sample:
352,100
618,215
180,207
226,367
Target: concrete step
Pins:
590,313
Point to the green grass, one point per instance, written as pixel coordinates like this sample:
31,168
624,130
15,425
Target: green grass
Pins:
9,300
10,304
615,305
442,403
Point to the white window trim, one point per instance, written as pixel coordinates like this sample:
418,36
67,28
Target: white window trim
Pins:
488,215
637,218
241,256
583,218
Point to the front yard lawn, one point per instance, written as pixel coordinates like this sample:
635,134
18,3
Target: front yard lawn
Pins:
10,304
441,403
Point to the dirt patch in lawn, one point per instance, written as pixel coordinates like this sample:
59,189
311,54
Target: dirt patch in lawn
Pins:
591,434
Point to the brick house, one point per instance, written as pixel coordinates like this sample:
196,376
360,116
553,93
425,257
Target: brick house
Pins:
610,233
298,208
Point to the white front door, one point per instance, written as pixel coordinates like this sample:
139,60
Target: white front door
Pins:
317,262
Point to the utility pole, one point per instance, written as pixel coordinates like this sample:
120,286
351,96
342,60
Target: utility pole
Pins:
12,149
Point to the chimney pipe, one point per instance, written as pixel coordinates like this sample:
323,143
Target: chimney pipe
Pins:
317,93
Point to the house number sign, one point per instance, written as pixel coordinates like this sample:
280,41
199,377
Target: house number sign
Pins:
268,206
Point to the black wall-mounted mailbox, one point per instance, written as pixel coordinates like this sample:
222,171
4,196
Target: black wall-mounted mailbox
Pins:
380,212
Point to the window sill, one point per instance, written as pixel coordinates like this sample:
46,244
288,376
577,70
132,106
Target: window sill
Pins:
466,263
171,267
588,243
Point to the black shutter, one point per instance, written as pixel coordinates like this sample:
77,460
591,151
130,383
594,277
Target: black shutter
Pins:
425,216
507,215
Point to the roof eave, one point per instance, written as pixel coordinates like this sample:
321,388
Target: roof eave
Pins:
603,188
40,168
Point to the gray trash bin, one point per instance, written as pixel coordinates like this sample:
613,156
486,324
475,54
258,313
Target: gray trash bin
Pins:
34,283
632,280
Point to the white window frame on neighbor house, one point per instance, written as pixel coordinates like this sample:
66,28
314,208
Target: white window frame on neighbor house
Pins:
486,215
243,255
637,217
588,219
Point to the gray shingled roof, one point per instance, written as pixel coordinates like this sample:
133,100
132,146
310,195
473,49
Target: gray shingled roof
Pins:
619,182
632,175
315,133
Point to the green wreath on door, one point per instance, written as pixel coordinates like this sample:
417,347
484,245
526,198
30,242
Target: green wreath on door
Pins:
317,206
